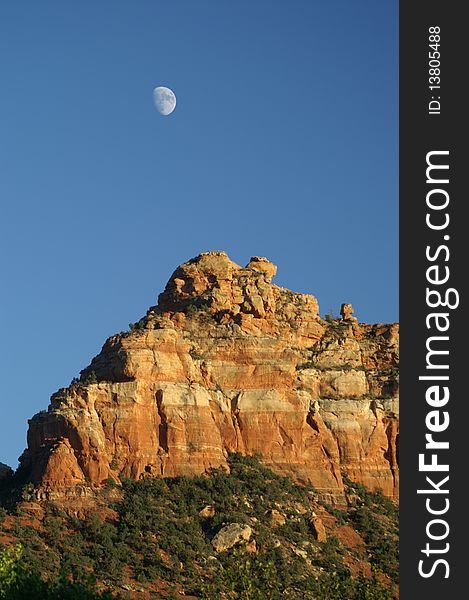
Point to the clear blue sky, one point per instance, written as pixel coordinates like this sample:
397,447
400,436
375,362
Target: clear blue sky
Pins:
283,144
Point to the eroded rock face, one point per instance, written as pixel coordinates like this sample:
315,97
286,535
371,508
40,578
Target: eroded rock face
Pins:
227,361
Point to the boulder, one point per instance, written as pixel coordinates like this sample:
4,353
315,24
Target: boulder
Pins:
318,528
231,535
207,512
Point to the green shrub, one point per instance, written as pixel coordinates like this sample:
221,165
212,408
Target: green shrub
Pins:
17,582
157,534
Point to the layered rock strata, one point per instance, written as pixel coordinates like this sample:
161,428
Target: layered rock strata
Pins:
227,361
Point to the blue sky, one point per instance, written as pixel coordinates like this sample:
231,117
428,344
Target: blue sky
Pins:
283,144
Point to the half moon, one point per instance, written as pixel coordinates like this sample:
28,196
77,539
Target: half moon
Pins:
164,99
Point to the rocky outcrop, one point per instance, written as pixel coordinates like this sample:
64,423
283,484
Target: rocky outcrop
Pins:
227,361
318,528
346,312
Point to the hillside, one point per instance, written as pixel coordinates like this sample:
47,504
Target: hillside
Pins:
248,534
231,444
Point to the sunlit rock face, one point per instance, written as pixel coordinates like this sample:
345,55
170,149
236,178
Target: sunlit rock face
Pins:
227,361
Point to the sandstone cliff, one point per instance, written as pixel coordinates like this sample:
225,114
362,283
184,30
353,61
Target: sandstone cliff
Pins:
226,361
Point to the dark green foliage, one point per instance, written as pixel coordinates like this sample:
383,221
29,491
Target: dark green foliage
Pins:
267,578
138,326
19,582
191,310
30,586
89,378
246,577
86,378
340,515
309,364
157,534
102,546
376,519
200,311
195,355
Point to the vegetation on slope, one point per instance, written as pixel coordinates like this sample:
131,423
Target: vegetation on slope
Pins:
153,538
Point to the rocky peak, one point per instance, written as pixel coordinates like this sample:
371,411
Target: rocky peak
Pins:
262,265
214,281
227,361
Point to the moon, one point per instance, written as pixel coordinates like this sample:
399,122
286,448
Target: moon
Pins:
164,99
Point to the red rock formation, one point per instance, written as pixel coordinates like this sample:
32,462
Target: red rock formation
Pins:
225,362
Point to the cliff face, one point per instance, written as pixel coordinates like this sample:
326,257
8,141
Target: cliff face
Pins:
225,362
